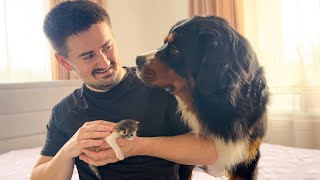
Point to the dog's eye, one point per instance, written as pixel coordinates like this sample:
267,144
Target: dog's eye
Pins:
174,50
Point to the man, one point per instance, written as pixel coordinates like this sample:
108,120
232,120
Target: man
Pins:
80,32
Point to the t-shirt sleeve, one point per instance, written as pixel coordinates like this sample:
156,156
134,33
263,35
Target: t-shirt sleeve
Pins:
176,125
55,139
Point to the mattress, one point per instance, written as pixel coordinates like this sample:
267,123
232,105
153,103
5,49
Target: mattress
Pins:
277,162
288,163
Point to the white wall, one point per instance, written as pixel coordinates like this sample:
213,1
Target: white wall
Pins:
141,25
25,109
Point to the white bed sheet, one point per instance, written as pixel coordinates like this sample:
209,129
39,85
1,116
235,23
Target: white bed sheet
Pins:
277,162
17,165
288,163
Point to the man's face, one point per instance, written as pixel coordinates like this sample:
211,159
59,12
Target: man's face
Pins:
93,55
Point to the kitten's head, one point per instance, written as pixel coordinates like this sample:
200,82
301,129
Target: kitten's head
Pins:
127,128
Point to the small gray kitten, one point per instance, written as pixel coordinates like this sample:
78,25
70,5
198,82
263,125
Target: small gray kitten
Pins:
127,129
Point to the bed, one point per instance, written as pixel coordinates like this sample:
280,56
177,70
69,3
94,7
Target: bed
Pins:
277,162
25,109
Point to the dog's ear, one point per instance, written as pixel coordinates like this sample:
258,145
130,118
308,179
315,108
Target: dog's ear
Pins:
216,74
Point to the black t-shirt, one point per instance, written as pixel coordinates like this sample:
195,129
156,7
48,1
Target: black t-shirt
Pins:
155,109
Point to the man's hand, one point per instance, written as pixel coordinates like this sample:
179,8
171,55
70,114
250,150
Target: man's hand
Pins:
91,134
187,148
107,155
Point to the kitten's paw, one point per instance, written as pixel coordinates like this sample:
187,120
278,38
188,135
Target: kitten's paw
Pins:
120,156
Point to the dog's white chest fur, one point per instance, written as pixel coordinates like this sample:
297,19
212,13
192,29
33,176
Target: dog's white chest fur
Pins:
229,153
190,118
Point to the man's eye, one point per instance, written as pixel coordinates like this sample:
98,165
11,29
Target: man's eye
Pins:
106,48
89,56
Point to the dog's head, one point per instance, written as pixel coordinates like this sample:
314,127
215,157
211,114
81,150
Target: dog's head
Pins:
204,57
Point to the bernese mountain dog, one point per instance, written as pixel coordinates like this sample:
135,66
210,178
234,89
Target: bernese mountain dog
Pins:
220,87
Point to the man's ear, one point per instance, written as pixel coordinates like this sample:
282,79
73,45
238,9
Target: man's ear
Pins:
62,60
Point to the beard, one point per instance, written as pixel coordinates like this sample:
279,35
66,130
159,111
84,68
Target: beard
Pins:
103,83
106,83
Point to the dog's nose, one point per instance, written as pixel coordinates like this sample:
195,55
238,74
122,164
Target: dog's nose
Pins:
140,60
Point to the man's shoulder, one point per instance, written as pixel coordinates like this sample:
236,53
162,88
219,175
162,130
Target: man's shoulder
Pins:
132,72
69,102
133,80
132,68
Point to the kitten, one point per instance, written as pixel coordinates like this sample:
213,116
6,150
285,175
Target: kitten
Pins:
126,129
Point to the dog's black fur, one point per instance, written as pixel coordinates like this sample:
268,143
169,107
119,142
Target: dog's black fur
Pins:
215,73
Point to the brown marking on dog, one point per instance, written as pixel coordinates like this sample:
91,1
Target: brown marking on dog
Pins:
253,150
163,76
170,38
183,89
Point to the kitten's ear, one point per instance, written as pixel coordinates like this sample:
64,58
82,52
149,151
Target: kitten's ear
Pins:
135,121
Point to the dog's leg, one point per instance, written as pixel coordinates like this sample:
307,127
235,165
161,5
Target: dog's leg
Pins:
247,170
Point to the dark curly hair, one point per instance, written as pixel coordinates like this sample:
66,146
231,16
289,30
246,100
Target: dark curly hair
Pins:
70,18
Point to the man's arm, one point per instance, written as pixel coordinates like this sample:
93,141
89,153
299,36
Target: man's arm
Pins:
60,166
184,149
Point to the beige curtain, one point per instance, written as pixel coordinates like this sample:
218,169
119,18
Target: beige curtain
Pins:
286,36
231,10
58,71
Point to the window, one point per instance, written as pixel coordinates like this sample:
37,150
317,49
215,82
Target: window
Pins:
286,37
24,49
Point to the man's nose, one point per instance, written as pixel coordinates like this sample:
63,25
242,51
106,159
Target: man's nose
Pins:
103,59
140,60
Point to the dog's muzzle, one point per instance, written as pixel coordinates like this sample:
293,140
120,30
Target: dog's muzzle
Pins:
144,59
